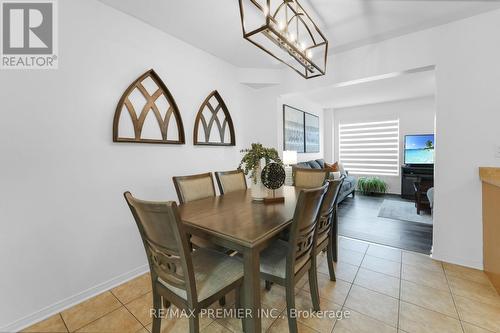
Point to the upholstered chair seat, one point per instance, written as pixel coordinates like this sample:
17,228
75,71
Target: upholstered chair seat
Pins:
212,272
273,259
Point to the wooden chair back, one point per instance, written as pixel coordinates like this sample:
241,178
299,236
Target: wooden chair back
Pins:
194,187
230,181
309,178
165,242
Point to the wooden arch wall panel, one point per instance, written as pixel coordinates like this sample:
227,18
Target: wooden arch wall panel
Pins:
213,125
147,113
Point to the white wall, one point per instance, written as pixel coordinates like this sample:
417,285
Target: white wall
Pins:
466,55
416,116
306,105
66,232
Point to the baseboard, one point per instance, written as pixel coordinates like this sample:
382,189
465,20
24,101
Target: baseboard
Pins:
457,261
57,307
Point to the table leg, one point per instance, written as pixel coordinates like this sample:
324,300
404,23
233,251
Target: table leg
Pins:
251,291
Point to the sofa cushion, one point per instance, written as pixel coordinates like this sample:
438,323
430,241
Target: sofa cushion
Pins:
304,165
314,165
321,163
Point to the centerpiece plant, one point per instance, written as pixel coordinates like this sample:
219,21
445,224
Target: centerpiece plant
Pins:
251,166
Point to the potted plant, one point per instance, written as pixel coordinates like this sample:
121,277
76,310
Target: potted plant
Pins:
252,166
371,185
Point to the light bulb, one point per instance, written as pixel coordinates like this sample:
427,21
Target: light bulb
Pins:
265,10
302,46
281,25
291,37
309,54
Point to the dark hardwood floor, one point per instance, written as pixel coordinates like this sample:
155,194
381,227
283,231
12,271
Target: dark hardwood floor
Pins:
358,218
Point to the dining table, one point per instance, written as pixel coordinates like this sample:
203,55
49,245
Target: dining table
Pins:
237,222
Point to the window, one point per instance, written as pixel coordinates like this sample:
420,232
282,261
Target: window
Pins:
370,148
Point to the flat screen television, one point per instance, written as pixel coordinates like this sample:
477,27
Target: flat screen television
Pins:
419,149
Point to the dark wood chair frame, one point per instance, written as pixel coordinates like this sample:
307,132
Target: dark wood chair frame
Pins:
328,224
295,169
421,200
301,242
160,258
219,174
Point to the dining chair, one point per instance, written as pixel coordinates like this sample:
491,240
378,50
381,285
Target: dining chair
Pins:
190,280
196,187
309,178
230,181
326,239
285,262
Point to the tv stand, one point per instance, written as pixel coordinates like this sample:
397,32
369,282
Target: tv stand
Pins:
411,174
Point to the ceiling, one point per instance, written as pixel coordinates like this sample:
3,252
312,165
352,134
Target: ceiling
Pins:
392,88
214,25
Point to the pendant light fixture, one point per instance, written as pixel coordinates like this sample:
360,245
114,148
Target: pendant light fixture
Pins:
284,30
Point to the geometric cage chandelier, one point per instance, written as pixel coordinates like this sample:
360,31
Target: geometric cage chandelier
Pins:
284,30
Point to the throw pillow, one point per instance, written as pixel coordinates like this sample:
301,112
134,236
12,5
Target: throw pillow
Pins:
332,167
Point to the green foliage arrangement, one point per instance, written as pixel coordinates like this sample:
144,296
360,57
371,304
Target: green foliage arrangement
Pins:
371,185
251,160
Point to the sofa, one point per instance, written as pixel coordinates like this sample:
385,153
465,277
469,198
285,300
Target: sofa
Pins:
349,185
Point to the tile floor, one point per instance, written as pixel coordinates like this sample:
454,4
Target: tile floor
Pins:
384,289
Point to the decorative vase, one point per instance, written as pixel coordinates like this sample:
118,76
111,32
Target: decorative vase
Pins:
258,190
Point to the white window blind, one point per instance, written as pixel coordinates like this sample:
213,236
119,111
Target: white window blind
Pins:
370,148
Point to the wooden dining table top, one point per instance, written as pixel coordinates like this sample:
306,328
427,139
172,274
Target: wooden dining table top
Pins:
236,218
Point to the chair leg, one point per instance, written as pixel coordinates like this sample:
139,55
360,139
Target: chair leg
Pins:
329,259
157,317
269,284
222,301
335,235
166,303
194,324
290,305
313,287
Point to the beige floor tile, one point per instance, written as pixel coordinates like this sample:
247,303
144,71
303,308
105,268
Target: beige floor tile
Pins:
142,330
469,328
280,325
350,256
379,282
384,252
323,324
133,288
53,324
235,324
466,273
276,297
415,319
382,266
359,323
119,321
353,244
422,261
429,298
473,290
215,327
141,308
373,304
90,310
169,324
334,291
424,277
483,315
343,271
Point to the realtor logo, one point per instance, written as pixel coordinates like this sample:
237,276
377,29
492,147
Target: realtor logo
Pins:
28,34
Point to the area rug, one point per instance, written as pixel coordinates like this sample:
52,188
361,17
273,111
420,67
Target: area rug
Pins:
404,211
